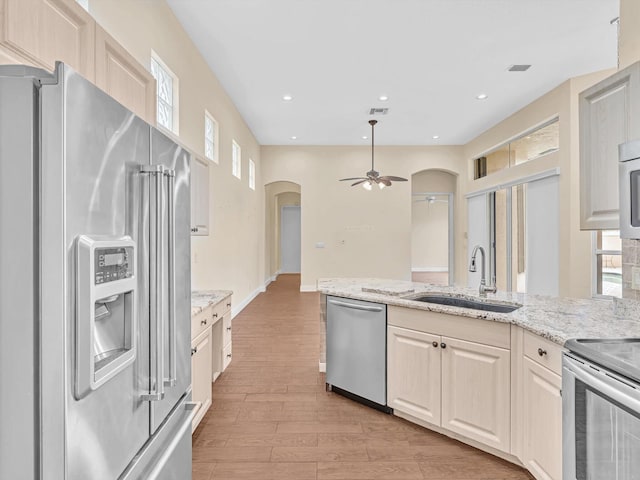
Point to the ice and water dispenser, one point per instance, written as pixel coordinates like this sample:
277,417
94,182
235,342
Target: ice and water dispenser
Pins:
105,309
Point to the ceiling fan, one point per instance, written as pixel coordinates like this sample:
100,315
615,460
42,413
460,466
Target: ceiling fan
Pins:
429,199
373,177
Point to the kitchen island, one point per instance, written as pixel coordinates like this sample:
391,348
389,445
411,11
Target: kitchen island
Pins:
491,380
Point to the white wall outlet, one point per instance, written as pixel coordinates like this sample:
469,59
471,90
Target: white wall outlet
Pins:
635,278
319,244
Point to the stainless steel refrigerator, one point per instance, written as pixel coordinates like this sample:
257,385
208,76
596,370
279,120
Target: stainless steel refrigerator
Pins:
95,373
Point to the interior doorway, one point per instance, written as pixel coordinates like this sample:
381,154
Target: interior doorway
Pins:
290,239
432,224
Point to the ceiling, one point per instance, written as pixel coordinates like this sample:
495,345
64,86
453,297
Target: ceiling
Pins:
430,57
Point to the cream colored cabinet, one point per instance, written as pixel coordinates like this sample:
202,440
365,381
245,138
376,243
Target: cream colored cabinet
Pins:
413,373
542,408
609,116
122,77
453,372
199,196
40,32
222,351
476,391
201,352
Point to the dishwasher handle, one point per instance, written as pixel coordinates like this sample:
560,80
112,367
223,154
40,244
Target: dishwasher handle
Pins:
355,306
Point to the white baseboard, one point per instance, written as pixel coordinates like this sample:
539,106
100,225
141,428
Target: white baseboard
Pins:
322,367
429,269
308,288
236,309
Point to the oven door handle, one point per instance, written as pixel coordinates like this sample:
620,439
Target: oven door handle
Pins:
606,388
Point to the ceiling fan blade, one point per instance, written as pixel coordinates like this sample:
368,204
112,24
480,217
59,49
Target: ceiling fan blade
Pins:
358,183
354,178
383,180
394,179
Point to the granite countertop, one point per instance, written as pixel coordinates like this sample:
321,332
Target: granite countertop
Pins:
557,319
201,299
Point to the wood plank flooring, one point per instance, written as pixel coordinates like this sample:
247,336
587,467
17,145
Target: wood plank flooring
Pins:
272,419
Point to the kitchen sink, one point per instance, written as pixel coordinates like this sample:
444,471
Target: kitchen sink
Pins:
466,303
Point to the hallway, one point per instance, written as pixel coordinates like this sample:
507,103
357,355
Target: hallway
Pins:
272,419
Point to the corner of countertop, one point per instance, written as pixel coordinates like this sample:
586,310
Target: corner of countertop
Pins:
201,299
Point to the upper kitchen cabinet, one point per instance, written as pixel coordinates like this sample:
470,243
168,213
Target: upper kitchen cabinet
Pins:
609,116
40,32
124,78
199,196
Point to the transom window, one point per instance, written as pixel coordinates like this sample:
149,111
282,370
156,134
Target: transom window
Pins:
236,159
210,137
166,88
252,175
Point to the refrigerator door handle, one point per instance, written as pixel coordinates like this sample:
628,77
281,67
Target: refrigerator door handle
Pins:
156,343
171,207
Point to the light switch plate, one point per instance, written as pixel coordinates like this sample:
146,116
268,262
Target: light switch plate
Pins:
319,244
635,278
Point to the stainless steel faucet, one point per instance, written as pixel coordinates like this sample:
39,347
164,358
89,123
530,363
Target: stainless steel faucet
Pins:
484,288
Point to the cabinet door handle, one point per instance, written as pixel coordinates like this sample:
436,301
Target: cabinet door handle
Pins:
215,315
228,329
229,304
194,351
435,344
203,322
443,345
228,355
542,352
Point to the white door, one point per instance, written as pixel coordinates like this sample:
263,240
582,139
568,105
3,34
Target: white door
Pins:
290,239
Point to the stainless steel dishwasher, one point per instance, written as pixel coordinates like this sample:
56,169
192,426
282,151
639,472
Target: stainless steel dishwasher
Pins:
357,350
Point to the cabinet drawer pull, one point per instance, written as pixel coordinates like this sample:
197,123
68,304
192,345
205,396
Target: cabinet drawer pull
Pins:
215,315
194,351
435,344
228,329
229,304
443,345
203,322
542,352
228,355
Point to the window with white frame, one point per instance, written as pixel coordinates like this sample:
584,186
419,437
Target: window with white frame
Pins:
210,137
607,263
252,175
236,159
166,94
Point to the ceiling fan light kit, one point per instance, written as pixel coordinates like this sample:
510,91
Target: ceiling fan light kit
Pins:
374,177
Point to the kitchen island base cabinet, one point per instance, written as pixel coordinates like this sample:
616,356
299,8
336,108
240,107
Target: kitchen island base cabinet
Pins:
452,372
413,373
476,391
542,422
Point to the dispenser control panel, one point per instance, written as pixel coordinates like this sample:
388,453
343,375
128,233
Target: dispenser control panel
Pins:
112,264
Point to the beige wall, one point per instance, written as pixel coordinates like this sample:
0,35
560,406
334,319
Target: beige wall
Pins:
629,40
232,255
430,221
365,233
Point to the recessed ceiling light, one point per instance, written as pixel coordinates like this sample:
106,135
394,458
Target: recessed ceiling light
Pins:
287,98
364,137
435,137
482,96
294,138
383,98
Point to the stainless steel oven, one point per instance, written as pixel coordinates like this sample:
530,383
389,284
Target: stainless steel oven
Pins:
601,410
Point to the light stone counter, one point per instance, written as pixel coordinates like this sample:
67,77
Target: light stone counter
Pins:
557,319
201,299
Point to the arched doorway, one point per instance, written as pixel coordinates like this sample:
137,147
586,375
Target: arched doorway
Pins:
432,224
282,228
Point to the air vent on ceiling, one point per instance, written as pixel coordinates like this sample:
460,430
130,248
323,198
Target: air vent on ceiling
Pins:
378,111
519,68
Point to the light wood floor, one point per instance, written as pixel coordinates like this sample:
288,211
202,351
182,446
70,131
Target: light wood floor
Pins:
272,419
